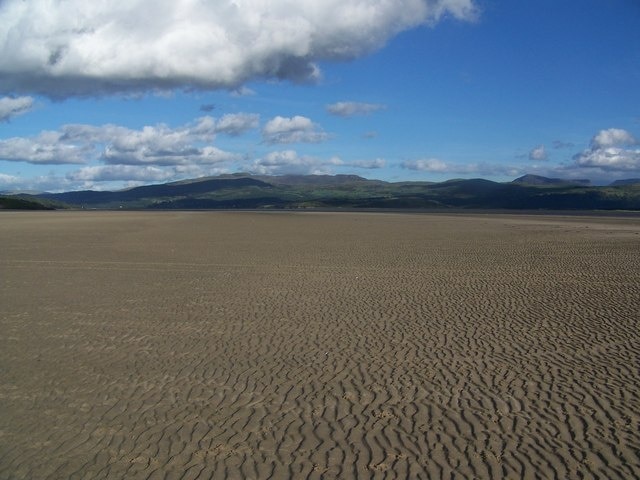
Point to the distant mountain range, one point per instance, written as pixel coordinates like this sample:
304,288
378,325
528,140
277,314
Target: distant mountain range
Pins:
247,191
628,181
538,180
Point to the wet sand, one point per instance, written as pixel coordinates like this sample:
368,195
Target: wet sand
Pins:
186,345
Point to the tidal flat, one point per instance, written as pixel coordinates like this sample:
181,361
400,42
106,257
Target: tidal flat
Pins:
237,345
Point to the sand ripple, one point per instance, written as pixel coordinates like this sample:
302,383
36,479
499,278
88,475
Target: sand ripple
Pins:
248,345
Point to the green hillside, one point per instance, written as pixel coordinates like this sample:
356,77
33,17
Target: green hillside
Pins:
16,203
350,191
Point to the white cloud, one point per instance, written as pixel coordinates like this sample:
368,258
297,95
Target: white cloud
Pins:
161,145
613,137
611,150
113,144
349,109
12,106
50,182
8,181
110,173
149,154
610,158
289,162
538,154
45,148
79,47
292,130
104,177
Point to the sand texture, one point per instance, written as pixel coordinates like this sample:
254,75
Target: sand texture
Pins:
239,345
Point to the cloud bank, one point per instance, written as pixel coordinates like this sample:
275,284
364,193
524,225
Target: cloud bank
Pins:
114,173
158,145
613,154
79,47
290,162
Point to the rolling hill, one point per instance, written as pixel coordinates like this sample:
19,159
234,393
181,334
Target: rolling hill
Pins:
13,202
350,191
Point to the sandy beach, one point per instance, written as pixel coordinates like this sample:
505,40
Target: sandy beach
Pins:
255,345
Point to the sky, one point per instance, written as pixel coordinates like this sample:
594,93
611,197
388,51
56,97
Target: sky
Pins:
113,94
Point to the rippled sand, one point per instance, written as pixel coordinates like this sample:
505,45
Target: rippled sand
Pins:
317,345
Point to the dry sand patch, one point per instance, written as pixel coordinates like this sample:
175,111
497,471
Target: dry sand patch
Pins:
303,345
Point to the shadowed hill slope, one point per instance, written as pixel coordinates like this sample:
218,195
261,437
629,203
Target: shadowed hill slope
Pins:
16,203
351,191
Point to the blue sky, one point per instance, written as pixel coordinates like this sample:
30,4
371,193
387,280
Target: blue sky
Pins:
140,92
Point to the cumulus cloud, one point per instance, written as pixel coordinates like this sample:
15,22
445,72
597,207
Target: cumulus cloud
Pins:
147,153
349,109
79,47
290,162
611,150
50,182
162,145
611,158
296,129
113,144
538,154
613,137
12,106
47,148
